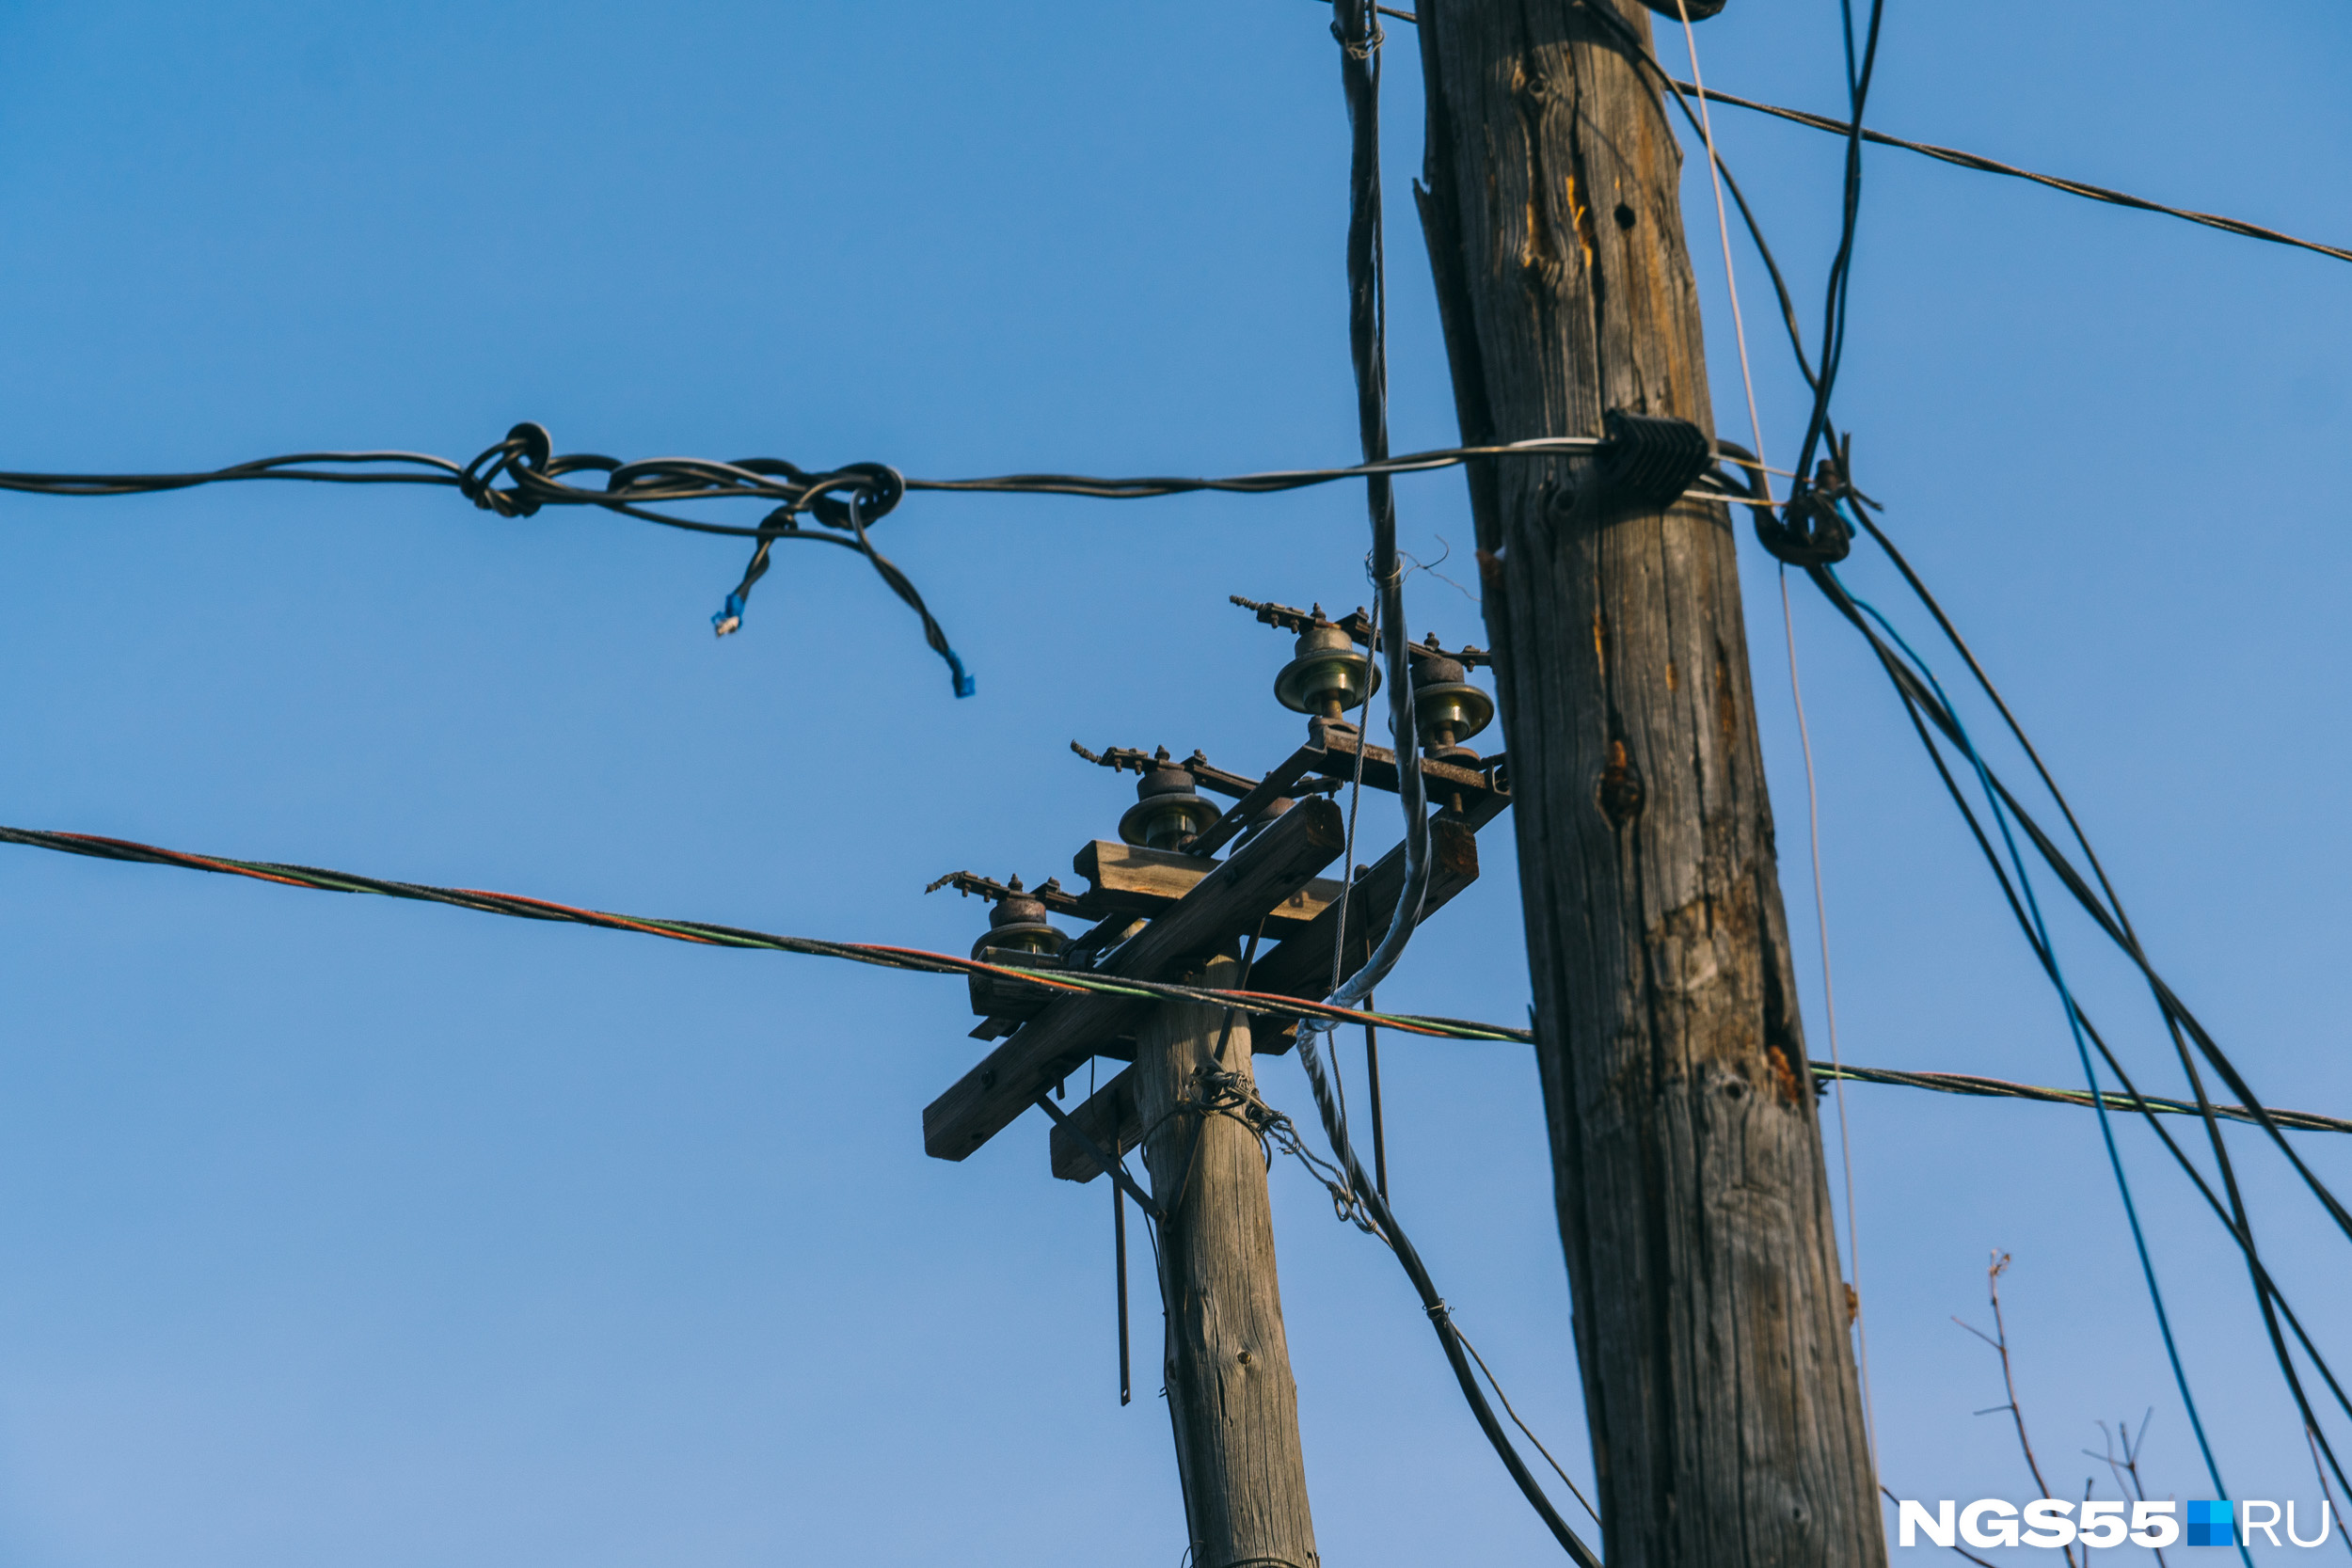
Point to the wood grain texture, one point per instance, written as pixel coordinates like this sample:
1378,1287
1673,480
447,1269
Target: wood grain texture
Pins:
1711,1319
1301,965
1230,1397
1129,879
1109,1117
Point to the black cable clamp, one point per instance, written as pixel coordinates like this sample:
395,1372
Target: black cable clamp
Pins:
1642,465
1811,531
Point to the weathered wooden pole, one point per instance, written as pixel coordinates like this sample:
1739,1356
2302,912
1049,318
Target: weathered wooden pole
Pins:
1230,1395
1712,1321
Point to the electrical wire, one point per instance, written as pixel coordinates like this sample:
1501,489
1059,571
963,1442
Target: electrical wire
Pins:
2000,1088
918,960
845,499
710,934
1723,230
1983,164
1824,428
1833,311
1829,1009
1574,1491
1347,856
2057,976
1804,737
2234,1216
675,481
1991,166
1917,699
2180,1024
1357,29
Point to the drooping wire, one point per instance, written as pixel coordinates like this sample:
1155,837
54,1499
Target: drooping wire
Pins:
2106,909
1347,853
1858,73
847,499
1492,1381
1804,737
2177,1020
1918,698
1357,29
1992,166
1723,230
916,960
2058,978
1829,1010
1058,982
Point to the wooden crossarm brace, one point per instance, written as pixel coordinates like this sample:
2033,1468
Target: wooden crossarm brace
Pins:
1301,966
1139,881
1108,1116
1229,900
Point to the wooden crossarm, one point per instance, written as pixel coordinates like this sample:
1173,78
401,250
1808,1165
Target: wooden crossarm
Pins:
1229,900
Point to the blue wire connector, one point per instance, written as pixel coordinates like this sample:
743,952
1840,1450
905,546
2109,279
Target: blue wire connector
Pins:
965,685
730,618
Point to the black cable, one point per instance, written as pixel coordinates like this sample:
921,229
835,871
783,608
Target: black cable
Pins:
1992,166
2072,880
2119,926
1841,267
846,500
2119,929
1917,699
1356,28
685,481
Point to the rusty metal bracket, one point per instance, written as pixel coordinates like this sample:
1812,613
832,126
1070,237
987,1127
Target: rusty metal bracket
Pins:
972,885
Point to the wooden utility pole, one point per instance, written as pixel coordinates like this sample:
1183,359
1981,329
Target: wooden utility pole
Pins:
1167,909
1230,1395
1712,1321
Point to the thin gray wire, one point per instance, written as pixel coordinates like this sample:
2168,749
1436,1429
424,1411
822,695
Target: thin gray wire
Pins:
1492,1381
1347,881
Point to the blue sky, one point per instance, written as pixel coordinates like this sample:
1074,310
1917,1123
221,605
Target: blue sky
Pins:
344,1231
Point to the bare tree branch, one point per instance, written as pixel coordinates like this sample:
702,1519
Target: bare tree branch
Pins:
1998,1339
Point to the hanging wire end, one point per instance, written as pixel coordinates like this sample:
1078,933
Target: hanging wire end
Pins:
730,616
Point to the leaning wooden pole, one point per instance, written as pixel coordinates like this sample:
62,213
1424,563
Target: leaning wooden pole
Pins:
1711,1323
1230,1391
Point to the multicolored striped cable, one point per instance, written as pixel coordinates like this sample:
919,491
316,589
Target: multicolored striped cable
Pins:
921,961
